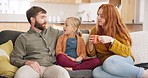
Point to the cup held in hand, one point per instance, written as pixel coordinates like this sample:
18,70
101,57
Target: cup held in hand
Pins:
95,39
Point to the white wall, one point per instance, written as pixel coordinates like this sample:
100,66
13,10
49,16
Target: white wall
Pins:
139,11
145,23
53,9
91,10
13,18
67,10
141,15
61,10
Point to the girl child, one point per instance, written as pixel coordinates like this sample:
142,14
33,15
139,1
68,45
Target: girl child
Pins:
70,48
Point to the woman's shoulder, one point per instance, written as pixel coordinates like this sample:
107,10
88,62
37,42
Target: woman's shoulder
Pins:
93,30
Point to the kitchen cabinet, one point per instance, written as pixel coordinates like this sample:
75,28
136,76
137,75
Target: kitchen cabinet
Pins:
55,1
7,26
115,2
127,10
82,1
95,1
44,1
24,26
14,26
64,1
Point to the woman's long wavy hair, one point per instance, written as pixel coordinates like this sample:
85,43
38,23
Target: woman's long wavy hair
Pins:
113,23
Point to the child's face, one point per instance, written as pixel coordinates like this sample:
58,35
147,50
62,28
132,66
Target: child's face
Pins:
68,28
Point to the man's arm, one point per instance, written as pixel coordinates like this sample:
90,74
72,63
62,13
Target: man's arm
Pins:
19,52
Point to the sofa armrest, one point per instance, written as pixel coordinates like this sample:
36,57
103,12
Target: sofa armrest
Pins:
6,35
140,46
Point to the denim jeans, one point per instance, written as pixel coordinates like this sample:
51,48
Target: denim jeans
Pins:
118,67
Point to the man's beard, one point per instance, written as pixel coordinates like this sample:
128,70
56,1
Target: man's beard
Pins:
39,26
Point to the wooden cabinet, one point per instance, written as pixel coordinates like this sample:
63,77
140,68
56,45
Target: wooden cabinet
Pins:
18,26
7,26
127,10
115,2
85,1
82,1
63,1
55,1
94,1
14,26
22,26
44,1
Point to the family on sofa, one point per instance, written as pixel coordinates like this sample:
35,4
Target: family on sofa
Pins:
34,51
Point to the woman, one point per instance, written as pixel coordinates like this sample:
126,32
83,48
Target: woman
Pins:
113,46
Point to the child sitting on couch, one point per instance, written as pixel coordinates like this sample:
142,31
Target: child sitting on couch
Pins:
70,48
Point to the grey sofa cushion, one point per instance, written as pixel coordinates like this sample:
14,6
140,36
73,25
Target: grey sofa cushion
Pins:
80,74
144,65
9,35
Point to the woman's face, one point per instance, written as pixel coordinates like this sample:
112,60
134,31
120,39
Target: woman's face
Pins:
100,17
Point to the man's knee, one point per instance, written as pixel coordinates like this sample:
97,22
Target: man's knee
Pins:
26,72
56,71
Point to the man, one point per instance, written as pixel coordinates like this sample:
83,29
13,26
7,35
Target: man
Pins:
34,51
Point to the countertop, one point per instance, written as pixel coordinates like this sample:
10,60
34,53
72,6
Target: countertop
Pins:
62,22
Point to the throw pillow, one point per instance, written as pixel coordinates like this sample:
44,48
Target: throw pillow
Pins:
6,69
85,38
7,47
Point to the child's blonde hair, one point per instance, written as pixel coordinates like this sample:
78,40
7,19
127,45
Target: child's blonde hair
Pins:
74,22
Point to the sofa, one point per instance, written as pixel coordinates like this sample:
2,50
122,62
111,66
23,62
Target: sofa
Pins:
7,40
8,37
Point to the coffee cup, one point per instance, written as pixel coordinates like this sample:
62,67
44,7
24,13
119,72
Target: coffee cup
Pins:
94,39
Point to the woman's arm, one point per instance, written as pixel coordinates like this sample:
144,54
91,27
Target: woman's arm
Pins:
123,49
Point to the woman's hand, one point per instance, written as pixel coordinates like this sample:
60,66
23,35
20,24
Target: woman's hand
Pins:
93,40
35,65
105,39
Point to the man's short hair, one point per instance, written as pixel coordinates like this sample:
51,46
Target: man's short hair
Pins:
33,11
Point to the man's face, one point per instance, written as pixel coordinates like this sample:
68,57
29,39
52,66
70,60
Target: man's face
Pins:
40,21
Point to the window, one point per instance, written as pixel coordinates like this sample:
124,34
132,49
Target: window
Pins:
14,6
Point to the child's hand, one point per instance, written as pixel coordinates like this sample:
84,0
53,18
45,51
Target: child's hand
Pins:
73,59
78,59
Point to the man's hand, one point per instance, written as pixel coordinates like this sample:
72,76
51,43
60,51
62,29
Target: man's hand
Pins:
35,65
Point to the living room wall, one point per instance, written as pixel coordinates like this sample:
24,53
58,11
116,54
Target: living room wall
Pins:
145,23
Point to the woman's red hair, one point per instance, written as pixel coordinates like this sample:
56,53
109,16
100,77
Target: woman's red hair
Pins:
113,23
